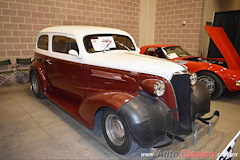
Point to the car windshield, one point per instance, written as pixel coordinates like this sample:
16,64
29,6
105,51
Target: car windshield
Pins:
106,42
176,51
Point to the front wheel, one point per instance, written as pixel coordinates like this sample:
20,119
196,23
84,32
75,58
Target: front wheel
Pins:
116,133
212,82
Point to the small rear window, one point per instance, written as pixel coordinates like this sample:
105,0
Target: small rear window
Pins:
43,42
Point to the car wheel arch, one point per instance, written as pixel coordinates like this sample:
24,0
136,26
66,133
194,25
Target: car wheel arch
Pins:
98,101
211,72
44,85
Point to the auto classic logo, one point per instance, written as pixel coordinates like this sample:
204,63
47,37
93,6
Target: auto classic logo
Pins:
226,154
191,154
182,154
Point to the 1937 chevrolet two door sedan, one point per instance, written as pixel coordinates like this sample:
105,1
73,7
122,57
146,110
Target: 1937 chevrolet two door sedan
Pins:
86,69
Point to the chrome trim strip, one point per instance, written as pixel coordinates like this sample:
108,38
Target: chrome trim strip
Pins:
179,73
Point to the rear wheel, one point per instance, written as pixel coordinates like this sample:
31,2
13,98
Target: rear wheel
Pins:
212,82
116,133
35,85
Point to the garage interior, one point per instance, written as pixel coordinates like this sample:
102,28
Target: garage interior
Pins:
34,128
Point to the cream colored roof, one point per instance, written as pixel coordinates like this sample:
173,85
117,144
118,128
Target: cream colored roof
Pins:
83,30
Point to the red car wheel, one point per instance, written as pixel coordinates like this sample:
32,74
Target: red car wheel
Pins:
212,82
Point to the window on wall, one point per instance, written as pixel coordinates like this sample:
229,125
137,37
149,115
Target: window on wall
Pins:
43,42
63,44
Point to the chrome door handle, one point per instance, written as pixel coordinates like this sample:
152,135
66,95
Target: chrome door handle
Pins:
48,61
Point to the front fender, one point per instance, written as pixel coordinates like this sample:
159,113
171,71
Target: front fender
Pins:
93,102
147,119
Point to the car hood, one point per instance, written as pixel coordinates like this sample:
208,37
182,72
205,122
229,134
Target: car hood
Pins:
225,46
183,58
136,63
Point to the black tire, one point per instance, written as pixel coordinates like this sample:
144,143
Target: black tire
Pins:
212,82
35,85
119,140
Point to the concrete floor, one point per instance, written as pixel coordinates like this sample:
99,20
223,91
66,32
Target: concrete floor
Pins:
32,128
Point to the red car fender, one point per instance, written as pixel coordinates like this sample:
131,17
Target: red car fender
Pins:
37,68
228,76
111,99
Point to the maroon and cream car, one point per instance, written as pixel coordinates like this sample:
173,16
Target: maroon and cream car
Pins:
86,69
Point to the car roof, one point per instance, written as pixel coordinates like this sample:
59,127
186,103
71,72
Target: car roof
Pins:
83,30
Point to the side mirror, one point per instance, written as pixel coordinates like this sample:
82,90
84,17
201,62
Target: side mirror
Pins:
138,50
73,52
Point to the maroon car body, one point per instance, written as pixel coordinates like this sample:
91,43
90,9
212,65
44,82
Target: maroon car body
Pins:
86,69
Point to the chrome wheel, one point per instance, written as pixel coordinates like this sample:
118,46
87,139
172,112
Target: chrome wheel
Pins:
115,130
35,84
209,83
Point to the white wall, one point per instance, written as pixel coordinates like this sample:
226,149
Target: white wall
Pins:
147,22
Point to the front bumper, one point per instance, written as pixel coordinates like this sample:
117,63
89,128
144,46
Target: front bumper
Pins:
201,127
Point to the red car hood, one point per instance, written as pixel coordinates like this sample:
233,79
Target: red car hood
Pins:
225,46
185,57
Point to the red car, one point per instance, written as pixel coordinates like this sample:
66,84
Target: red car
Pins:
86,70
216,73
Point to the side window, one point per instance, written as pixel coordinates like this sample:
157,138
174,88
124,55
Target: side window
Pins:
159,53
63,44
156,52
43,42
151,51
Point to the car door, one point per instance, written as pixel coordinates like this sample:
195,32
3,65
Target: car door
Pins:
66,72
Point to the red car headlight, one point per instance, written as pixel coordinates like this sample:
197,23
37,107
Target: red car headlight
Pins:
193,78
238,83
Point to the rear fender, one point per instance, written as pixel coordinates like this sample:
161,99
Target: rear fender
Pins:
36,67
94,102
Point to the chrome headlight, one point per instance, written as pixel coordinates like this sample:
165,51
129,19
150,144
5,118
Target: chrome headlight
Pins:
238,83
159,88
193,78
